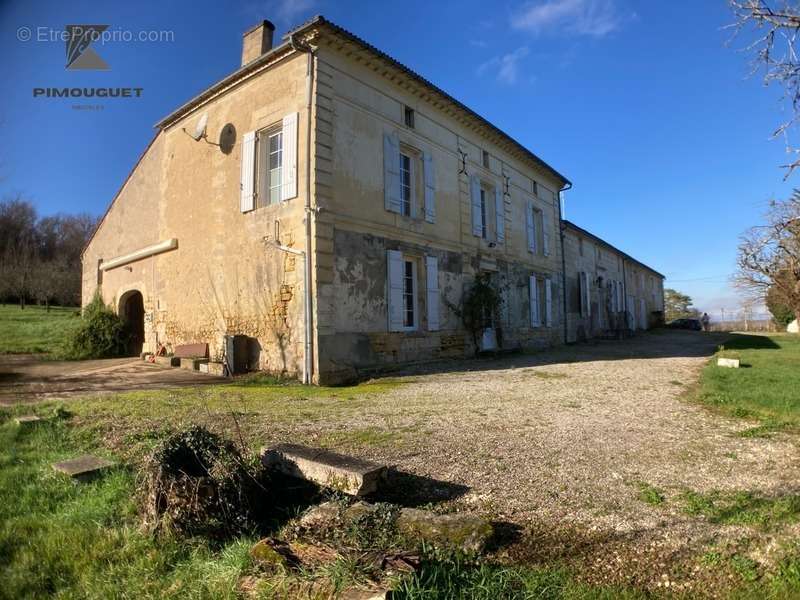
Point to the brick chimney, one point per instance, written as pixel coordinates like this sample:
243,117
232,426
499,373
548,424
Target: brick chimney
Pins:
257,41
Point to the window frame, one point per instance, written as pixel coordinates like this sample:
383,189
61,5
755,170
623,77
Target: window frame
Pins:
264,186
484,193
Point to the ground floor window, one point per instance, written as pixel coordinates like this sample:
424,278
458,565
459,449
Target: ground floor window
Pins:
409,305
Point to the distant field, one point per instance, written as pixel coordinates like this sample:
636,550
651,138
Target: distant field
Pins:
766,387
34,330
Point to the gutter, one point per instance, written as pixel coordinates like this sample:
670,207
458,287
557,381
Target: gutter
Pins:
562,234
308,349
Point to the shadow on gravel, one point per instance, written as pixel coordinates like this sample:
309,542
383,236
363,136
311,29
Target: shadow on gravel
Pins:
660,343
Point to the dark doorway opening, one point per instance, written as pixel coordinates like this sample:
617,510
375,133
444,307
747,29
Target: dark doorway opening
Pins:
131,309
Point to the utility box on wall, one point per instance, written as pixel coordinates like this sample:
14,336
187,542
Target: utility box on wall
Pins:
237,353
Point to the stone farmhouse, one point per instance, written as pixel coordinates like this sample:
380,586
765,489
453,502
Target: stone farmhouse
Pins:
333,206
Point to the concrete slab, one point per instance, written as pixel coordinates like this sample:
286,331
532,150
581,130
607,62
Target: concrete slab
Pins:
168,361
192,364
27,420
83,467
731,363
350,475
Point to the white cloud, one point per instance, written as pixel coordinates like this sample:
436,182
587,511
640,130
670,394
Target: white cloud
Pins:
286,13
594,18
506,67
288,10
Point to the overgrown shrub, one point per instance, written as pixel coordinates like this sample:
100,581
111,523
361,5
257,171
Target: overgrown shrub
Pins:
197,483
480,305
100,334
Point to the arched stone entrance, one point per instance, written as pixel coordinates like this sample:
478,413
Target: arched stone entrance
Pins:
131,309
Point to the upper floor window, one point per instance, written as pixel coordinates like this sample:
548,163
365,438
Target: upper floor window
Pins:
408,116
484,209
535,188
580,246
409,179
269,164
406,184
269,153
485,158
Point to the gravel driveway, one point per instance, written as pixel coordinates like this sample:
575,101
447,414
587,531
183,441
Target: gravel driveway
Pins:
560,441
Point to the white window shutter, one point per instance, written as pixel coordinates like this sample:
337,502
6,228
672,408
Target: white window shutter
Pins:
247,181
475,199
394,260
533,293
500,213
391,172
289,157
432,292
430,187
545,233
530,226
548,301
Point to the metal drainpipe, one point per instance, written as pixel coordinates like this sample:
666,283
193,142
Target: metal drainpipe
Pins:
309,213
561,229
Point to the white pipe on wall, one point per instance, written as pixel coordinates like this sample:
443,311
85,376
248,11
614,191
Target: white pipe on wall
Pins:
158,248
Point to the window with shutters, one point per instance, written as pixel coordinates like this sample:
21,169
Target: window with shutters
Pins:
269,158
485,158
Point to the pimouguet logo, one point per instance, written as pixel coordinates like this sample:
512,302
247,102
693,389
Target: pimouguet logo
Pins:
80,54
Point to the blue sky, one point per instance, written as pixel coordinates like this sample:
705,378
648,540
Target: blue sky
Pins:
641,104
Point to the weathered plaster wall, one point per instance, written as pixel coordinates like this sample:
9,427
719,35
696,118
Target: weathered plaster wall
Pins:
603,263
223,278
356,106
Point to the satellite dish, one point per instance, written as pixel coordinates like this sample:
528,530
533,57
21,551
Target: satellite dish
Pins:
200,128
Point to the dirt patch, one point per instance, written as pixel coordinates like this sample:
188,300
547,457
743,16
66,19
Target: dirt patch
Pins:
30,378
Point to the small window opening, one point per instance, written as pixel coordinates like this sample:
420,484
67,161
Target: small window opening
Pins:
409,117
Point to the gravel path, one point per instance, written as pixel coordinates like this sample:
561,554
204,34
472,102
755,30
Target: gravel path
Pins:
562,439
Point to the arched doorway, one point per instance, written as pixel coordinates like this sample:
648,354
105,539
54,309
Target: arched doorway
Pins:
131,309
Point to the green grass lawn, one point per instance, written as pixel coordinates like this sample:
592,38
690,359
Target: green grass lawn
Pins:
766,386
64,539
34,329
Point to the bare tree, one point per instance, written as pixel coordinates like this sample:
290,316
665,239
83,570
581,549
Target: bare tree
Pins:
40,258
769,255
774,26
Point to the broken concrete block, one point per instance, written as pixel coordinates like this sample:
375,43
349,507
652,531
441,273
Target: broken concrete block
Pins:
344,473
459,531
270,553
84,467
27,420
731,363
216,368
168,361
192,364
321,516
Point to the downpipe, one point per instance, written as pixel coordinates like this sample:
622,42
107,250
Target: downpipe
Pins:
309,213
